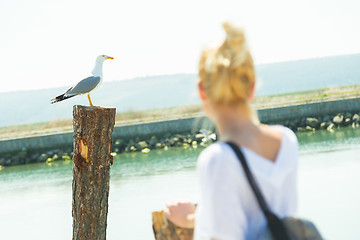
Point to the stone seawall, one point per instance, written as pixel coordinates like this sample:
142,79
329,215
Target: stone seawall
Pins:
313,109
163,134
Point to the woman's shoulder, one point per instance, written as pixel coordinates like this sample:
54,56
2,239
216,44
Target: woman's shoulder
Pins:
213,154
288,152
287,134
213,151
220,149
220,153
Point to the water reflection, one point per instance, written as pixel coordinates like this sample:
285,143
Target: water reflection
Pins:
153,163
323,141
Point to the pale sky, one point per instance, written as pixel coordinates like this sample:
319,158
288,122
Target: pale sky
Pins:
48,43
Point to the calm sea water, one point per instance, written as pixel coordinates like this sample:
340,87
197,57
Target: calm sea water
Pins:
35,200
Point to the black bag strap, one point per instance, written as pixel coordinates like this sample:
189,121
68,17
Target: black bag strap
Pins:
277,228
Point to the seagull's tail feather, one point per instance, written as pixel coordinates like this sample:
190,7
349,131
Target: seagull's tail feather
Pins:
60,98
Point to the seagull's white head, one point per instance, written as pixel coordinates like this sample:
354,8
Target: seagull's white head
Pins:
102,58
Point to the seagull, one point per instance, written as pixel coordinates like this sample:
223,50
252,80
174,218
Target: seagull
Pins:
86,85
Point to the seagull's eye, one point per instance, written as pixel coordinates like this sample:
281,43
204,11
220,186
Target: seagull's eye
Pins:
103,55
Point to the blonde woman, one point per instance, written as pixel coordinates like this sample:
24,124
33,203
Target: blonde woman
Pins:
227,207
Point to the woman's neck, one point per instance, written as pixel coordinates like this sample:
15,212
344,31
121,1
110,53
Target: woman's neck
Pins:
236,123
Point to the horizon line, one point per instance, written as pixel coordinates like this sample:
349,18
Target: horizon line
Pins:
188,73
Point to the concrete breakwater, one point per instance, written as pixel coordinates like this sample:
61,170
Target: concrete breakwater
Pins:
185,132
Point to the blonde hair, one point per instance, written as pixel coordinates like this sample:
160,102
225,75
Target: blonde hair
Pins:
227,72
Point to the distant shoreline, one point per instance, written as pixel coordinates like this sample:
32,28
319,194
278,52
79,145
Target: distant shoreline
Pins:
160,129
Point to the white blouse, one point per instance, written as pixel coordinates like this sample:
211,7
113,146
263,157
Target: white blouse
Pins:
227,207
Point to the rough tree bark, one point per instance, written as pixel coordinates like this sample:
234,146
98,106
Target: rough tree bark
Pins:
166,230
93,127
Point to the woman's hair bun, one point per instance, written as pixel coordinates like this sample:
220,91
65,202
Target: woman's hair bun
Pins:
235,43
233,29
227,72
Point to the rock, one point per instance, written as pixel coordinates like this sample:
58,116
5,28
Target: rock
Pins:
309,129
323,125
300,129
186,145
212,137
330,127
170,142
127,149
66,157
312,122
347,121
43,157
199,137
60,153
356,118
338,119
159,145
180,137
153,140
145,150
142,145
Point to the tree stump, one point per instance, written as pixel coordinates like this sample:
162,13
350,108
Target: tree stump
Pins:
93,127
166,230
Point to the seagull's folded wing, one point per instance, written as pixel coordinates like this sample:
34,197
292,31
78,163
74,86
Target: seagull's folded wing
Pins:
84,86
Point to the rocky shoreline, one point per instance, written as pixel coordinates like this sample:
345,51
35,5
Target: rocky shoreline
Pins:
327,122
199,138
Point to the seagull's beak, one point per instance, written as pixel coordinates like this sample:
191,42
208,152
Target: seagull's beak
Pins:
109,58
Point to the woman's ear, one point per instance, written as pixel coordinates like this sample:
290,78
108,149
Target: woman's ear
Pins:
201,91
252,92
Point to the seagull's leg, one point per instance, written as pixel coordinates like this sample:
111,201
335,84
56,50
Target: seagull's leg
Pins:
90,100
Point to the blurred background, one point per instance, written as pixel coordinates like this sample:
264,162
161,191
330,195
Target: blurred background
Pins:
156,45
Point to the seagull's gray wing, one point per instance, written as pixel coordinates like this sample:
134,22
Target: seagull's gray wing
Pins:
84,86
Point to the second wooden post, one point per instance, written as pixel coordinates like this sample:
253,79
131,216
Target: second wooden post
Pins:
93,127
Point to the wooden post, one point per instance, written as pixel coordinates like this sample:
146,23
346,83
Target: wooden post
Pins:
166,230
93,127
